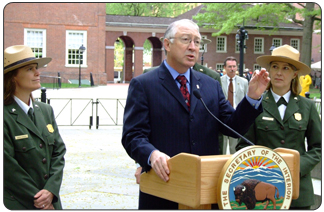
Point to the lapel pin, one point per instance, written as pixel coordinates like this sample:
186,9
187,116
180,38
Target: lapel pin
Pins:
201,70
197,86
36,105
13,109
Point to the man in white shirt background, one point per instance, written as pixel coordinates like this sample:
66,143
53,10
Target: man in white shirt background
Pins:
234,93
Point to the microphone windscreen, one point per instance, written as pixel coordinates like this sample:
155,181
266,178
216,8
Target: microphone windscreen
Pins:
197,94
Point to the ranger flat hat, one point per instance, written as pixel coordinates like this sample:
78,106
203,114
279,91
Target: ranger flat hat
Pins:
19,55
286,54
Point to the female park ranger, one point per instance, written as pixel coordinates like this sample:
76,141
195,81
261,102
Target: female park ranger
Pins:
33,148
288,120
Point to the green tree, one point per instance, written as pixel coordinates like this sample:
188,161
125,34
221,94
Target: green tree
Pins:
119,54
226,17
149,9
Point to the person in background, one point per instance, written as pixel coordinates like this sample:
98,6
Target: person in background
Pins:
288,119
162,118
235,89
247,74
305,82
33,150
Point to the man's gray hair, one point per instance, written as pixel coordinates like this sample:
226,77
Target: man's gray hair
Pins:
173,28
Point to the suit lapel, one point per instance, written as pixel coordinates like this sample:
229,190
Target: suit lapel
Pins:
292,107
270,106
39,118
170,85
194,85
23,119
225,86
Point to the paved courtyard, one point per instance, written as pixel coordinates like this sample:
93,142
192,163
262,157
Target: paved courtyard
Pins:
98,173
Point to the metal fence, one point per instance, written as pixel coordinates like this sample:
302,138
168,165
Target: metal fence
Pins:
80,111
108,112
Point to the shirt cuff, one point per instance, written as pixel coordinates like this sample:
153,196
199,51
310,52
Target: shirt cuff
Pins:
253,102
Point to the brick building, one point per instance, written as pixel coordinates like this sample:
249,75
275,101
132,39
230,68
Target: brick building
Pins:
58,30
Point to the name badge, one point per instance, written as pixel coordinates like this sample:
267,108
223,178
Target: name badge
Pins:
267,118
18,137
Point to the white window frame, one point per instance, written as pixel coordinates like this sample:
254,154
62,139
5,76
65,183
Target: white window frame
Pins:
262,48
202,47
83,42
43,45
277,39
257,66
219,65
237,46
297,41
225,44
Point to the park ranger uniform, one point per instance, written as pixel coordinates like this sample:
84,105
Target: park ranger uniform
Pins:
33,155
301,120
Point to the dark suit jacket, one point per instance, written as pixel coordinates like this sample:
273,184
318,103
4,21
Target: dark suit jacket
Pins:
156,117
301,120
33,156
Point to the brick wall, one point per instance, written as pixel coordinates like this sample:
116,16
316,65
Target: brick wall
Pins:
56,18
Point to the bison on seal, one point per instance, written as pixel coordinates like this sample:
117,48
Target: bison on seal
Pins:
252,191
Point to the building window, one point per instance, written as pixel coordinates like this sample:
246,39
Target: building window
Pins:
203,47
295,43
256,67
258,46
221,44
237,46
219,66
36,40
74,39
277,42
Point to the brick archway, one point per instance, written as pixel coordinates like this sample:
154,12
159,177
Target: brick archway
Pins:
157,53
128,58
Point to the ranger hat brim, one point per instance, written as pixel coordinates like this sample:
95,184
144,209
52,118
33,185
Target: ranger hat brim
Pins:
20,55
286,54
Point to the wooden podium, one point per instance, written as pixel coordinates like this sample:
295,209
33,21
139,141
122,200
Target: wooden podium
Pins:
194,179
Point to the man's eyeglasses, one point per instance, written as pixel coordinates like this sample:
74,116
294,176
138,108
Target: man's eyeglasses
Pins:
186,40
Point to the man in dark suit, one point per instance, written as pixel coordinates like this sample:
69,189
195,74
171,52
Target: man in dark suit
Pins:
162,118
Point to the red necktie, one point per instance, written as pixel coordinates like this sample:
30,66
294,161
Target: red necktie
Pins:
184,90
230,92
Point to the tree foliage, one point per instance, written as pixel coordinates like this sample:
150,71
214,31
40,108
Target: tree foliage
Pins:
225,17
148,9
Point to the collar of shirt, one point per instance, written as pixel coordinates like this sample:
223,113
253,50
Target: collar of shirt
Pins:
276,97
23,105
175,74
228,78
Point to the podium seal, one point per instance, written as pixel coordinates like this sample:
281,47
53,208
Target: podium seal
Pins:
257,178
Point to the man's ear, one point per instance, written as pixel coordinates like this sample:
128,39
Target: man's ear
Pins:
166,44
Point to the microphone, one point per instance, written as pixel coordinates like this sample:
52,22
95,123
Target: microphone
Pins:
198,96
